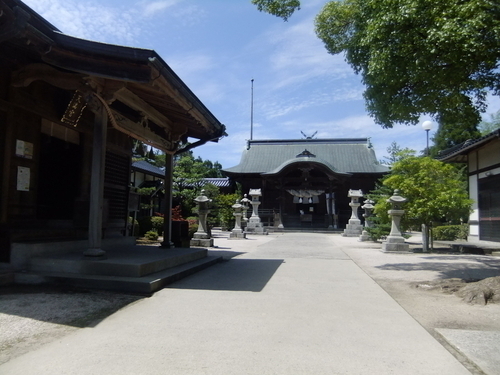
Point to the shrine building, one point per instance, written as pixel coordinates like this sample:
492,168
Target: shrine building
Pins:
306,181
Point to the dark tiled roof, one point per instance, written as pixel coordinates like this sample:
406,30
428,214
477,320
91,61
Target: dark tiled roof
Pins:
219,182
454,153
148,168
353,155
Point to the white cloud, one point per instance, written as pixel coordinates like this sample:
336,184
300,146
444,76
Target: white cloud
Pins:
155,7
90,20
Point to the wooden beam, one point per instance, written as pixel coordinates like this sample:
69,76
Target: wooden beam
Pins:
174,131
143,133
24,76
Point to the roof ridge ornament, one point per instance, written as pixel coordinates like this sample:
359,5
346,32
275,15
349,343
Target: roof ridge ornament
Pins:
306,153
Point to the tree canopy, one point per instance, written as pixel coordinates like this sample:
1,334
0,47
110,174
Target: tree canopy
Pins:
486,127
436,191
415,57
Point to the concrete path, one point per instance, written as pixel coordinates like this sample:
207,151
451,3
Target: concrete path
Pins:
292,303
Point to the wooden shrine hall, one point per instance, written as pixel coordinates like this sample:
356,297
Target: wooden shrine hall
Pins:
69,110
306,181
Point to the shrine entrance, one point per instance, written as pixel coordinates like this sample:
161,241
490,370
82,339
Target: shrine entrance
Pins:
306,189
60,171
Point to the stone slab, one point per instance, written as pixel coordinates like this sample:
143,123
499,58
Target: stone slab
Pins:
481,347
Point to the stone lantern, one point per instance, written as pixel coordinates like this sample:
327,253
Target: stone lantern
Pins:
254,225
395,241
245,202
201,237
237,232
354,227
368,207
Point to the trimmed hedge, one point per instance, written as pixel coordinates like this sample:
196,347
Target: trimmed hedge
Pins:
450,232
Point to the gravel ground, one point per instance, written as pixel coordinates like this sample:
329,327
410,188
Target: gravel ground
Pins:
31,316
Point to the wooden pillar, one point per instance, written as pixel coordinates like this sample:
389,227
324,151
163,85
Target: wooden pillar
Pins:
97,184
8,151
167,226
332,224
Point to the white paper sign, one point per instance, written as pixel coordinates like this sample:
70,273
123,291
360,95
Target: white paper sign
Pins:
24,149
23,179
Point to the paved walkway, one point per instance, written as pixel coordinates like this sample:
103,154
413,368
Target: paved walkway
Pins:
293,303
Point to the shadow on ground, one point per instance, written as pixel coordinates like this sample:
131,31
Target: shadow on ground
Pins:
60,305
462,267
246,275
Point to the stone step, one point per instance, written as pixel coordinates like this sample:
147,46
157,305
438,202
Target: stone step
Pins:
147,284
137,261
6,277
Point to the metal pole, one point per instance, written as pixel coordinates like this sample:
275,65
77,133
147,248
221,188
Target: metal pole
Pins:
427,132
251,115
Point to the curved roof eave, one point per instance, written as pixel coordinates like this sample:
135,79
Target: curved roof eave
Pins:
309,160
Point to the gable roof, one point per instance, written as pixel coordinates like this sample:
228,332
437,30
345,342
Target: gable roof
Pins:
458,153
341,156
143,96
148,168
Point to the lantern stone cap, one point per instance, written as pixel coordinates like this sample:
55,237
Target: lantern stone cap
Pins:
396,198
237,204
355,193
368,204
245,199
255,192
202,198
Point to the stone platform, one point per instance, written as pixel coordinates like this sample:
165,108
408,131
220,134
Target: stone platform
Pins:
134,269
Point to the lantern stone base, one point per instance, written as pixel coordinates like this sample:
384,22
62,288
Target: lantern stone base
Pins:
255,226
201,239
237,234
395,244
353,229
203,242
256,230
364,236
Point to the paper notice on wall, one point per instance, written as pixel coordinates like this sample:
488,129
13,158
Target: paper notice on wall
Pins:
24,149
23,179
19,148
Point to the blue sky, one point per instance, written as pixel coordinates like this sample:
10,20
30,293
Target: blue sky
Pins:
218,46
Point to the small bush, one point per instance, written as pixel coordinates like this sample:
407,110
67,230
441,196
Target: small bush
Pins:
193,226
157,224
450,232
151,235
379,231
145,225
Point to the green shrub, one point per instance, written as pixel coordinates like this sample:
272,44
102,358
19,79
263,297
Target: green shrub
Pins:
193,225
157,224
151,235
145,225
379,231
450,232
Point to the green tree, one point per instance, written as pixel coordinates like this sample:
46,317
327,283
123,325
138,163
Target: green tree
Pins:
188,177
396,153
452,134
281,8
436,192
486,127
415,56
